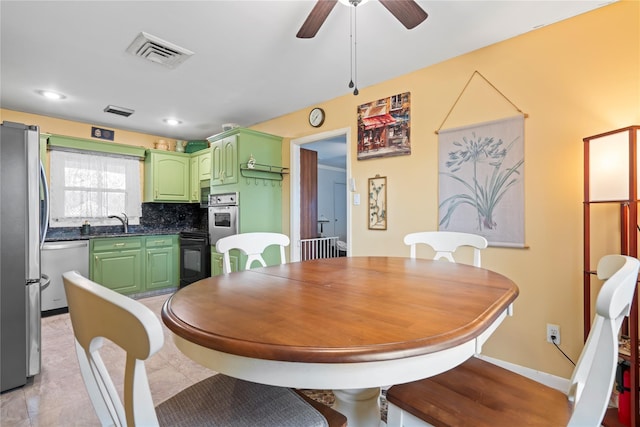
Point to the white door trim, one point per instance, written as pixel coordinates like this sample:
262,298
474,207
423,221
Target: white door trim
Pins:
294,195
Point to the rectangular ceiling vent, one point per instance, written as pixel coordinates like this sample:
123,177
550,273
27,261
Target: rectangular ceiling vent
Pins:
159,51
121,111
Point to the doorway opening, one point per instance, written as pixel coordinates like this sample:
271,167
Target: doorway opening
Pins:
330,208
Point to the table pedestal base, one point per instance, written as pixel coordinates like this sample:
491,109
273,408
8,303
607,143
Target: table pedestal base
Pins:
361,406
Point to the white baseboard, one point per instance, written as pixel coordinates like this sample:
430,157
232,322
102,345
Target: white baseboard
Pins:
549,380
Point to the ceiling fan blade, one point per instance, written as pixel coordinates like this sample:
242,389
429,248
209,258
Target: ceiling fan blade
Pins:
406,11
316,18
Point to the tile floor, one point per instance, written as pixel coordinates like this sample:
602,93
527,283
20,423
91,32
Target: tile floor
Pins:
57,396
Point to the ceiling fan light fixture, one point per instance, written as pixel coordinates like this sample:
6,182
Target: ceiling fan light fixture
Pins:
353,3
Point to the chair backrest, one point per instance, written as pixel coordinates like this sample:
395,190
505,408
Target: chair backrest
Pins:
96,313
445,243
252,245
592,379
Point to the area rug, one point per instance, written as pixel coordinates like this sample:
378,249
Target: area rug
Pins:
327,397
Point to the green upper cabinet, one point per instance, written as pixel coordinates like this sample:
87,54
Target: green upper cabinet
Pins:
195,181
224,160
167,177
200,171
231,150
204,164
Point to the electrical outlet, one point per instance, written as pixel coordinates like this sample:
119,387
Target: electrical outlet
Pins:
555,331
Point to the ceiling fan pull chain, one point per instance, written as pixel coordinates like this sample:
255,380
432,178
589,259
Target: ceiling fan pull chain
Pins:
355,48
351,48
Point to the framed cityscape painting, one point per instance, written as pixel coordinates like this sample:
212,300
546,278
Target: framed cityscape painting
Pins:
384,127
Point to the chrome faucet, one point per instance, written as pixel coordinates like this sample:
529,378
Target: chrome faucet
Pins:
124,221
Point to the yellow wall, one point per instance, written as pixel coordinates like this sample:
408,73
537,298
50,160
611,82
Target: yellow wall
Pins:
81,130
574,79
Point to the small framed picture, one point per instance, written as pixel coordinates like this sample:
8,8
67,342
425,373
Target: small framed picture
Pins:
378,203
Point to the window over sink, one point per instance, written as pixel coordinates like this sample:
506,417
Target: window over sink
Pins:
91,186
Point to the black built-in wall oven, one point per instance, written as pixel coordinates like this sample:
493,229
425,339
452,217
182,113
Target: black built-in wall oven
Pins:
195,257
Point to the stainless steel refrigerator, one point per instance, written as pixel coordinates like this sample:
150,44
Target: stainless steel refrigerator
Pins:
23,219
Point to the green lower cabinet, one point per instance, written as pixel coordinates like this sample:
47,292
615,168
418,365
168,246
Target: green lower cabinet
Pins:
217,262
238,260
117,264
161,262
131,265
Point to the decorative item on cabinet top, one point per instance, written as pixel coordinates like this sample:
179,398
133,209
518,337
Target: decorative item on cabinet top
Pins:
193,146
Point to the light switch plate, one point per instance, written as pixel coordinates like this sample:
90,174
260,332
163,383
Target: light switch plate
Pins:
356,199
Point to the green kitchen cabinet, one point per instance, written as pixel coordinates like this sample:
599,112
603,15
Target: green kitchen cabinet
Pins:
194,183
204,164
132,265
200,171
217,261
259,185
224,161
167,176
161,262
116,263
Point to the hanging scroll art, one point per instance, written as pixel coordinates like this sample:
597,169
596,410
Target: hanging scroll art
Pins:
481,170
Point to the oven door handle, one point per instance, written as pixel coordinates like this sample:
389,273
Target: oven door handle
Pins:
196,240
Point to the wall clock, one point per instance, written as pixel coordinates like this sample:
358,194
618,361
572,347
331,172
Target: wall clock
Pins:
316,117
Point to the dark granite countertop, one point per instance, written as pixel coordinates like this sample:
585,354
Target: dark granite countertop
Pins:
73,233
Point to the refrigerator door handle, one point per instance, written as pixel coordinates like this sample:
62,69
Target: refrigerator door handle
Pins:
44,227
45,281
33,206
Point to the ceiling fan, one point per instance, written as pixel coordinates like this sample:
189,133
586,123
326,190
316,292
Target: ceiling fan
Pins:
408,12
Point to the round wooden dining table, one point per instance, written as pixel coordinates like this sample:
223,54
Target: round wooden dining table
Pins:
350,324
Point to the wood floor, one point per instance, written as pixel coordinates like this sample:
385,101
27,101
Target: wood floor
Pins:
57,396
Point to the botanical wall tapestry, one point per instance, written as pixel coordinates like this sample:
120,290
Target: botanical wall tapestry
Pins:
481,185
384,126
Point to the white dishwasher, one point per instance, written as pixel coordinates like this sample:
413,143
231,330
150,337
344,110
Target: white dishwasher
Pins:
58,258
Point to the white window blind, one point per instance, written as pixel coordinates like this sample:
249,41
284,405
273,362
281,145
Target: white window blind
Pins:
91,187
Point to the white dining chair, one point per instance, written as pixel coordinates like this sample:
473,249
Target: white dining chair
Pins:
98,313
478,393
445,243
252,245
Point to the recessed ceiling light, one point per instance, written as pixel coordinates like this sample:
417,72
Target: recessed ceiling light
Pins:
51,94
172,122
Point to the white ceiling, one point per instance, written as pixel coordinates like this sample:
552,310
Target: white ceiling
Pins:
247,66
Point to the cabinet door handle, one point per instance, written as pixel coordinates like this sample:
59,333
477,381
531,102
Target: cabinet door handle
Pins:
118,245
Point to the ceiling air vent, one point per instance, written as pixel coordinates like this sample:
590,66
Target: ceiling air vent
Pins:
121,111
159,51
